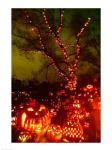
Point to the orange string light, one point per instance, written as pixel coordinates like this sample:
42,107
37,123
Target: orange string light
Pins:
57,39
71,78
78,43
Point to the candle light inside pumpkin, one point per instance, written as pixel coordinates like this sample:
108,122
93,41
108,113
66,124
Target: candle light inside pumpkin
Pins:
23,119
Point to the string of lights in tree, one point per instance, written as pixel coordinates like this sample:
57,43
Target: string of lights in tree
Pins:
71,78
62,48
78,48
60,23
72,81
33,117
35,29
56,36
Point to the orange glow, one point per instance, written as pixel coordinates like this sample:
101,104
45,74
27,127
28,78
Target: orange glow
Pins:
23,137
32,124
23,119
96,104
30,109
26,125
73,131
54,133
41,108
14,121
78,105
33,29
36,113
89,87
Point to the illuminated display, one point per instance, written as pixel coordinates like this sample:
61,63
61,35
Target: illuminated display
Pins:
55,77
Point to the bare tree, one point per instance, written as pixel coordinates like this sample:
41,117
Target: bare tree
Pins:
45,36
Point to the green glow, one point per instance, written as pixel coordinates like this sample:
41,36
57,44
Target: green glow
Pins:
29,66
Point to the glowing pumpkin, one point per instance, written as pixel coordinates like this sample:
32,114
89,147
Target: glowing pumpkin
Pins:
33,118
54,133
72,132
90,87
24,137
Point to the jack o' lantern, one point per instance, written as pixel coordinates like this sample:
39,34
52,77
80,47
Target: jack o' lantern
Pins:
24,136
54,133
72,132
33,118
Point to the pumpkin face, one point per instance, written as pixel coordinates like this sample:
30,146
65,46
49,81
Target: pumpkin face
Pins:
24,137
54,133
33,118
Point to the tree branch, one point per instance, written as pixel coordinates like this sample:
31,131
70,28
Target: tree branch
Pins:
56,37
78,44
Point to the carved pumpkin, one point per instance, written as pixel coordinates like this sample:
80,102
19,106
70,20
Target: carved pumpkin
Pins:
54,133
72,132
24,136
33,118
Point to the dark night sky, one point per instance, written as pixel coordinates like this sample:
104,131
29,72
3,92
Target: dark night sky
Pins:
28,63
